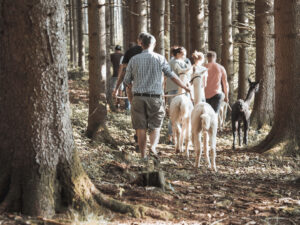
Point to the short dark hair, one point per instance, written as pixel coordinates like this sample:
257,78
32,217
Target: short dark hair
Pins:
118,47
141,35
211,54
178,50
148,40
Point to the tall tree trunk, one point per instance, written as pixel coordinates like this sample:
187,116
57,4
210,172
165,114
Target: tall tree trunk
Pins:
157,24
75,33
174,25
263,111
132,21
187,28
141,22
243,50
167,21
285,132
40,174
215,27
181,23
126,21
97,67
70,34
81,55
197,25
227,46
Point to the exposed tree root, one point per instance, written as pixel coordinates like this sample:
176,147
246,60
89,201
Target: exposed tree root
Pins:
137,211
11,202
276,143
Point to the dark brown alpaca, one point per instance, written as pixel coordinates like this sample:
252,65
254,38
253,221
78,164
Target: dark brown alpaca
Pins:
241,113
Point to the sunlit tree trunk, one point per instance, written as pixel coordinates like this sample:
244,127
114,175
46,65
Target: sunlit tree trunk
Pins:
263,111
174,17
285,132
197,25
97,67
215,27
81,53
157,24
167,28
75,33
243,49
227,46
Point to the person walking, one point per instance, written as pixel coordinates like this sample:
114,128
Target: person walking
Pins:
217,77
115,61
144,75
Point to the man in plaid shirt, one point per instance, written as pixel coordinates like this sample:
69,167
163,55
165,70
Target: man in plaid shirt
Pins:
144,74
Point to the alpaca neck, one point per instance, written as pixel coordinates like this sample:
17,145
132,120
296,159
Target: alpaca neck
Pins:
250,97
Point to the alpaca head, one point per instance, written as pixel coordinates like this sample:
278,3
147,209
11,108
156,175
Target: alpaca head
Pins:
253,86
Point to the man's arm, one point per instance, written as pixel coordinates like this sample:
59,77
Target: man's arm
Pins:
121,75
177,81
224,83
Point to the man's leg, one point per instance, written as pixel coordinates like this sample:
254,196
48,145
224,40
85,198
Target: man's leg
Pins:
142,140
154,139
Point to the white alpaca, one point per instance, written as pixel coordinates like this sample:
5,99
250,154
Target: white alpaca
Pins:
180,112
199,81
204,120
223,112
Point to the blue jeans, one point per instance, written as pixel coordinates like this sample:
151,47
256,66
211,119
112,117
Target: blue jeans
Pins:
127,103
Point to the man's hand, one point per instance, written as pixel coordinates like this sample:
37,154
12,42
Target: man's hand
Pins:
115,93
226,99
187,89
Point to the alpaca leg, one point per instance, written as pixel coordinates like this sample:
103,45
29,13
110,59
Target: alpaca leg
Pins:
239,132
198,148
213,138
187,137
206,148
246,128
182,135
234,126
176,133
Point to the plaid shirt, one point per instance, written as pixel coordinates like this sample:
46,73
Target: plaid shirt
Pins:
145,72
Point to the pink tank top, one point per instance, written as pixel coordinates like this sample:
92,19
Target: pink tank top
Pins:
214,77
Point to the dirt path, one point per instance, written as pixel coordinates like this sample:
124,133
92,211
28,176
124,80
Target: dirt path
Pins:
248,188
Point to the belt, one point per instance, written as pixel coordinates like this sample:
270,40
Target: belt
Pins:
147,95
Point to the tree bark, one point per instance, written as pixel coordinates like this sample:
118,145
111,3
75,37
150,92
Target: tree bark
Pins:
97,67
187,28
167,22
75,31
263,111
227,46
215,27
81,55
40,174
181,23
157,24
285,132
197,25
70,34
141,22
126,24
243,51
174,32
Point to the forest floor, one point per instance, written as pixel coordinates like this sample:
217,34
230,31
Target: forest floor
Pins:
248,188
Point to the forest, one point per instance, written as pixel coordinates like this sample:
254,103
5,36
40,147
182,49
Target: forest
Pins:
74,119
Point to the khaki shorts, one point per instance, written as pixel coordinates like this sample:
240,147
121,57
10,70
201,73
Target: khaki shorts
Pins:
147,112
